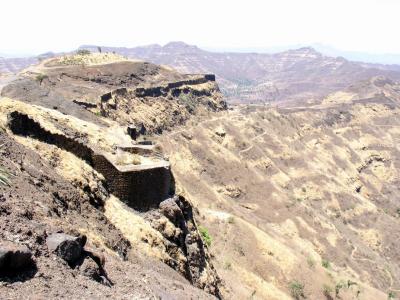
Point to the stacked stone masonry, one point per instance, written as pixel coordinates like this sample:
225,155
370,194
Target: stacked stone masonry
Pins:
141,189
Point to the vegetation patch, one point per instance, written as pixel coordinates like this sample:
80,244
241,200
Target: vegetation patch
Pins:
40,77
205,235
128,159
85,57
310,262
188,101
325,263
227,265
231,220
4,177
296,289
327,291
83,52
340,285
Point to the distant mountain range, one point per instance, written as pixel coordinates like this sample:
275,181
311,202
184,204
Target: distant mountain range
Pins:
299,74
369,57
16,64
13,65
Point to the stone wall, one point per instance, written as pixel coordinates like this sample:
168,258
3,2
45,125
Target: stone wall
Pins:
157,91
140,189
21,124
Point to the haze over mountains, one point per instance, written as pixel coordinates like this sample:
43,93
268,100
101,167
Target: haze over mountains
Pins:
295,75
299,74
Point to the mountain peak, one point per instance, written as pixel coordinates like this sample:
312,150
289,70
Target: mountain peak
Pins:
175,44
180,47
307,50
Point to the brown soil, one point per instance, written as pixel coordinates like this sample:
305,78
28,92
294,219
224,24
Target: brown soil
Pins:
39,202
282,191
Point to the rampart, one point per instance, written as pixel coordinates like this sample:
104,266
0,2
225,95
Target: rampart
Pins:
140,186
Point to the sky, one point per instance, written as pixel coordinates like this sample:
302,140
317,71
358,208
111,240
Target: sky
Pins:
34,27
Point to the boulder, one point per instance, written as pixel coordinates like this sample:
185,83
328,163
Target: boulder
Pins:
98,257
67,247
14,256
133,132
167,228
171,210
90,268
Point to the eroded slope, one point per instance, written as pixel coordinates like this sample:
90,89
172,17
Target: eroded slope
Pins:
300,196
63,148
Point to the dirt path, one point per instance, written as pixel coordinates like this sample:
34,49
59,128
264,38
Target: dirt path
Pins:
185,128
252,140
374,262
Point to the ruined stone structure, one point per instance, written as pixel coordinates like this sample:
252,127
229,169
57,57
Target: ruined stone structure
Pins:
140,186
171,88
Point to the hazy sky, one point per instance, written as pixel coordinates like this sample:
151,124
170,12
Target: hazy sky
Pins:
36,26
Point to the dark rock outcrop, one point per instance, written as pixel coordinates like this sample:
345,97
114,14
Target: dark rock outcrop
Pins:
14,256
184,239
66,246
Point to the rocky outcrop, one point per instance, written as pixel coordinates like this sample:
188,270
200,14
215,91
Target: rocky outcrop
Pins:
72,250
175,220
143,105
67,247
14,256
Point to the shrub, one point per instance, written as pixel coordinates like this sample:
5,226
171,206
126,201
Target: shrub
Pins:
127,159
231,220
350,283
158,148
227,265
326,264
4,177
338,287
136,159
296,289
40,77
327,290
310,262
83,52
391,295
205,235
188,101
